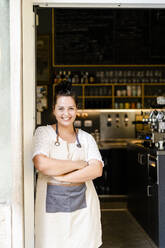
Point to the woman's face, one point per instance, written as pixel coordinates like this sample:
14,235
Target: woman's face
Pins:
65,110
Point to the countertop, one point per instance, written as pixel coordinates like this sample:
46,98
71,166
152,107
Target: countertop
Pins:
117,143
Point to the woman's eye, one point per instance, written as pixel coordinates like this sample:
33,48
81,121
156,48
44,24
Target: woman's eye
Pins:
60,109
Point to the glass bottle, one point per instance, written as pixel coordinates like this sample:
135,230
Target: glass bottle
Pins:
139,90
91,78
86,78
68,76
82,78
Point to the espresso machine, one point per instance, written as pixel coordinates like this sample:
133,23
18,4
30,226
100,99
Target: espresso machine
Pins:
156,120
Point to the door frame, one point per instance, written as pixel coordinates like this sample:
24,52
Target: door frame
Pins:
28,91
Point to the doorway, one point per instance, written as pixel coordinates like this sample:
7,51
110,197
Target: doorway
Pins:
29,113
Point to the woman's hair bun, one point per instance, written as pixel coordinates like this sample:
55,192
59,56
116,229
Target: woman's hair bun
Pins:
64,88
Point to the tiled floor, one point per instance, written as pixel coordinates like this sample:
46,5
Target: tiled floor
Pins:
120,230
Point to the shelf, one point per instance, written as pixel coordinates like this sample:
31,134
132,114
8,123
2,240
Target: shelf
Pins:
118,84
93,84
106,94
96,97
154,84
150,96
127,96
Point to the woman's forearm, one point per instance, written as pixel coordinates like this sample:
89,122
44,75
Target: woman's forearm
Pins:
90,172
56,167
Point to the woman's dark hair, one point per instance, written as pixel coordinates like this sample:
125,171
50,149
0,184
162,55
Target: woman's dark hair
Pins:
64,88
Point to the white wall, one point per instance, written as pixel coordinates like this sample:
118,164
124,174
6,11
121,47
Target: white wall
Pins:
5,126
28,118
5,135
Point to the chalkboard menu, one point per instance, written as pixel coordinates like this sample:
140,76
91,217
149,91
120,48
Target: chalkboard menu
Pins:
86,37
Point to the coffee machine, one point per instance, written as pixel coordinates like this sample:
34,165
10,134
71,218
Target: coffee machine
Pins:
156,120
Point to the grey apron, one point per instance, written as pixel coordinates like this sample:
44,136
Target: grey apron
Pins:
61,198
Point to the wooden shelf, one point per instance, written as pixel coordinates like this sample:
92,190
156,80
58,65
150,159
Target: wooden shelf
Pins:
113,98
98,97
127,96
118,84
150,96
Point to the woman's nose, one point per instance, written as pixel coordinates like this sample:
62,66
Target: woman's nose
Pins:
66,112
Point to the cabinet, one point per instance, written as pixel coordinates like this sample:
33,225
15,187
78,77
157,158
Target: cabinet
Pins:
146,190
116,96
115,88
137,184
114,178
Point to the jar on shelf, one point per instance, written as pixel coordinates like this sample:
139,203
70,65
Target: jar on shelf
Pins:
127,105
116,105
123,92
133,105
139,90
128,90
118,92
138,105
121,105
133,93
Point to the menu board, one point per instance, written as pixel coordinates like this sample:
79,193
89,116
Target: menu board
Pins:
86,37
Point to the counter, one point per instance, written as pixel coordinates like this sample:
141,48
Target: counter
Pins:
117,143
146,189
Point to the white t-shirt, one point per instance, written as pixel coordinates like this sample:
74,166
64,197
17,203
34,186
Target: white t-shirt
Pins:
44,143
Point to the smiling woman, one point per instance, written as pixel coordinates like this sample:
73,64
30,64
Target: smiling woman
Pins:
67,206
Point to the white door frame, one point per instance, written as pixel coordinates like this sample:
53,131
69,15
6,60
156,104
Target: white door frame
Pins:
29,86
17,205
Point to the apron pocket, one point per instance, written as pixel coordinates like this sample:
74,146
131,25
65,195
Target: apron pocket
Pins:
56,201
78,198
65,198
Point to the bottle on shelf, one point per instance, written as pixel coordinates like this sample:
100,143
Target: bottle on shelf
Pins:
118,92
133,91
68,76
127,105
123,91
86,81
102,77
82,78
128,90
76,79
116,105
106,78
133,105
139,93
73,79
138,105
97,77
91,78
121,105
64,75
58,77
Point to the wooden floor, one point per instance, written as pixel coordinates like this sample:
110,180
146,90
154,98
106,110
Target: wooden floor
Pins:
120,230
